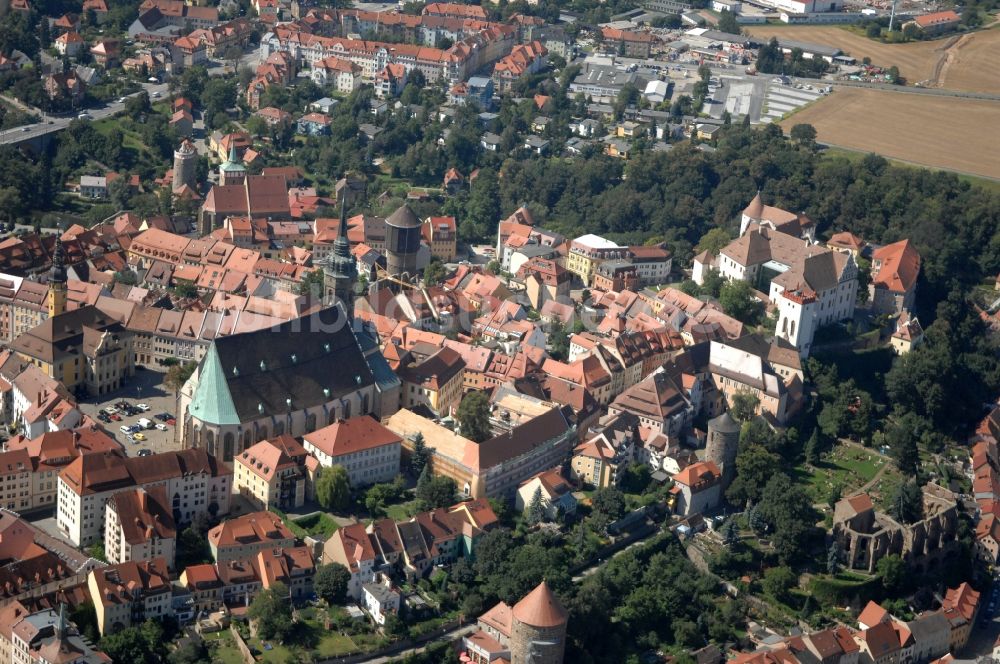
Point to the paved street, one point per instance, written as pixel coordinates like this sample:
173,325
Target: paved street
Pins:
146,387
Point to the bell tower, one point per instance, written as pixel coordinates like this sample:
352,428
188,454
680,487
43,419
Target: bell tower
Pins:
57,281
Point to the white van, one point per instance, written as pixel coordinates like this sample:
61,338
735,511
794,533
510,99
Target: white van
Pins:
145,423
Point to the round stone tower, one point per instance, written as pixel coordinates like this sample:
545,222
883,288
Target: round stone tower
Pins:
185,167
402,241
721,445
538,628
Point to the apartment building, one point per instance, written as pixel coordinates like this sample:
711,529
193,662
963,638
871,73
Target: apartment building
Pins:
274,473
138,525
43,636
130,593
368,451
47,454
243,537
433,381
587,252
193,481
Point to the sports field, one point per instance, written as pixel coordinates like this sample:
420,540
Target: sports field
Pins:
940,132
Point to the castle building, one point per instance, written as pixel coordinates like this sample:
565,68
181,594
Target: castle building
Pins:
721,445
185,167
865,535
533,631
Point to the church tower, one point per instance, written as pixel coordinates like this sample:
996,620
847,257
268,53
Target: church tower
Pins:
57,281
232,170
339,270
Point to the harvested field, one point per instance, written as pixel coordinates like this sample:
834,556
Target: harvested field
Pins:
916,60
971,63
939,132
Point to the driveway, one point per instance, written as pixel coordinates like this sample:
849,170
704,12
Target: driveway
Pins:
145,387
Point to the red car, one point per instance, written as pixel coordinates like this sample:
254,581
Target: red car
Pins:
171,421
116,417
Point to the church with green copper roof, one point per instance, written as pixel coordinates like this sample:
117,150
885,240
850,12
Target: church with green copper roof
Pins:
294,378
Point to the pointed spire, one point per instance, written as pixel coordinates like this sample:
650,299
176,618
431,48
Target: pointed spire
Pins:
61,624
232,153
57,274
756,208
342,231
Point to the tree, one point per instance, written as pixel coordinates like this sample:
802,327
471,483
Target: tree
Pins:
892,571
272,610
192,548
193,651
778,581
714,240
737,300
902,436
743,406
730,532
728,23
178,374
379,495
833,558
473,417
142,644
812,448
906,502
558,341
609,503
788,510
434,272
419,456
536,509
754,466
482,210
333,488
438,492
803,133
330,583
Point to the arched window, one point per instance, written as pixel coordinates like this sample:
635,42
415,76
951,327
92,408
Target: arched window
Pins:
262,433
310,422
279,428
210,442
347,409
247,442
332,419
228,441
365,404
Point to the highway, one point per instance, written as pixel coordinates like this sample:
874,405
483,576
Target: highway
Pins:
54,123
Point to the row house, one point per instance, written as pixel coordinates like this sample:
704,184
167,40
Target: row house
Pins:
524,60
414,546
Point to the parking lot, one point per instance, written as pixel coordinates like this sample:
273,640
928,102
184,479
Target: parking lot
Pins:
146,387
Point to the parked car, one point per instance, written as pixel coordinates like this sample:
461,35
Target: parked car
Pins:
125,428
145,452
110,410
116,417
139,436
142,408
162,427
171,421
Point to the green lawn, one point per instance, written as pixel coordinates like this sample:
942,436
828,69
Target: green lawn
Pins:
847,466
402,511
223,648
335,645
319,526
